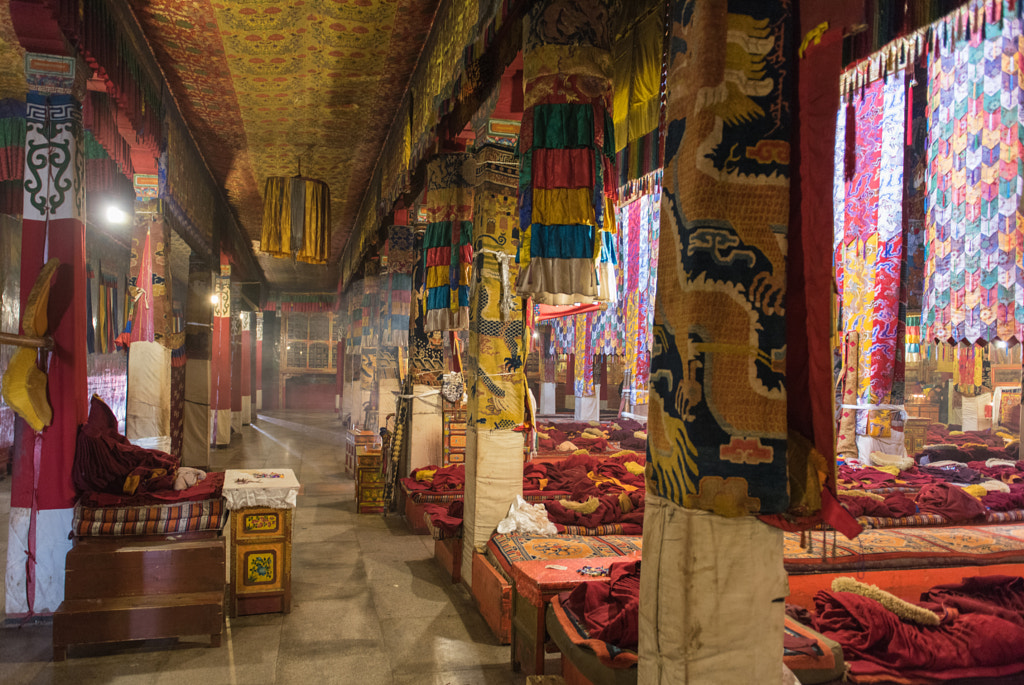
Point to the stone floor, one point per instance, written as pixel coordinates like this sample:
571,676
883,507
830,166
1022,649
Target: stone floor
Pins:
370,606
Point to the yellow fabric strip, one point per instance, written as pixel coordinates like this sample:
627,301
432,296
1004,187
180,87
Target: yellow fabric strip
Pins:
567,60
598,480
437,276
563,206
623,61
645,84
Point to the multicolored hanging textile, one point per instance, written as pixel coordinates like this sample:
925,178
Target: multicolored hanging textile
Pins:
400,249
567,149
868,229
296,219
12,139
970,364
717,428
142,291
974,279
624,327
447,243
913,338
371,311
178,361
426,350
642,219
396,333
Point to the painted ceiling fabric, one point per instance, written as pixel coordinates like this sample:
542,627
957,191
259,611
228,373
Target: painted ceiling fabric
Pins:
263,84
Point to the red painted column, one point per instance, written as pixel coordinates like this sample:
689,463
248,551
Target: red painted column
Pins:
220,358
53,226
257,380
339,378
236,362
245,368
570,377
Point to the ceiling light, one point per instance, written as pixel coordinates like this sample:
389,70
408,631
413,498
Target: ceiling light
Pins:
116,215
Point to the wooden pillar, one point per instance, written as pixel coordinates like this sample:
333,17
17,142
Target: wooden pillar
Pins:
42,496
196,414
236,359
257,378
149,359
496,365
220,358
245,367
713,573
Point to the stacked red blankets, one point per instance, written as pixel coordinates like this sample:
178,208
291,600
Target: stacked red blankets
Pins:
979,636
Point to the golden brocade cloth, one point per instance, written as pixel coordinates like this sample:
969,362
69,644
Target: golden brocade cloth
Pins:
296,219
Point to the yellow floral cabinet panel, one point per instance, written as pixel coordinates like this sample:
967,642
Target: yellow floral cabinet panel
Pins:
261,551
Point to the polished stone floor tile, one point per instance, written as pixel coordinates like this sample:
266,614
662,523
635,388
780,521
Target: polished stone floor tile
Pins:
369,604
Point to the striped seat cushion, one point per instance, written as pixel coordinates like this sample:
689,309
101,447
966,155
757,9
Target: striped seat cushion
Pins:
155,519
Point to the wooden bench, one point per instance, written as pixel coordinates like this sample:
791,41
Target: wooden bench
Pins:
117,590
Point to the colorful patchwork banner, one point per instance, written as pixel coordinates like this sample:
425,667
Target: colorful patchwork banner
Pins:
566,178
447,249
717,419
624,328
974,278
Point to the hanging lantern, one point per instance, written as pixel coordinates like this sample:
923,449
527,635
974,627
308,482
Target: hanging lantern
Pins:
296,219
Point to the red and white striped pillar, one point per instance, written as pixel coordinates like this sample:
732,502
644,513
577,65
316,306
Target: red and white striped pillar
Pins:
236,360
257,378
245,377
42,496
220,358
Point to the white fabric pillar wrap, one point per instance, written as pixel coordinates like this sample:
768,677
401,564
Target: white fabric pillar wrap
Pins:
712,597
547,399
236,422
220,427
246,410
195,444
388,400
425,447
149,391
589,408
494,476
259,399
350,403
52,545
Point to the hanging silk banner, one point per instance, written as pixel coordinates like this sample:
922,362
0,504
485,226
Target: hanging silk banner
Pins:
447,248
868,230
974,279
717,418
566,177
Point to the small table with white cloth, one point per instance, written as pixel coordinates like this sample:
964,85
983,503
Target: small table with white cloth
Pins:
261,503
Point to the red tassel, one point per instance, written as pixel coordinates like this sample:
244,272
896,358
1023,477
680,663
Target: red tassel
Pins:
851,142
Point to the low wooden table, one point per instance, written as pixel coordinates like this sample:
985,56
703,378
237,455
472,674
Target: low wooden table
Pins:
534,583
261,503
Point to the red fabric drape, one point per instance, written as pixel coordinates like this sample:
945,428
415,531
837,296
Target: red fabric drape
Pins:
809,289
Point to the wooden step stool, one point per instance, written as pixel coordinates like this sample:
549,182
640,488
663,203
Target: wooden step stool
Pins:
117,590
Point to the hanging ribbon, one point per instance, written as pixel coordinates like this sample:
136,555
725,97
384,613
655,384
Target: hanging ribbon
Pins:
505,271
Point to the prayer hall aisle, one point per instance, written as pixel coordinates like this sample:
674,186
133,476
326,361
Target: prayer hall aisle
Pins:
369,604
